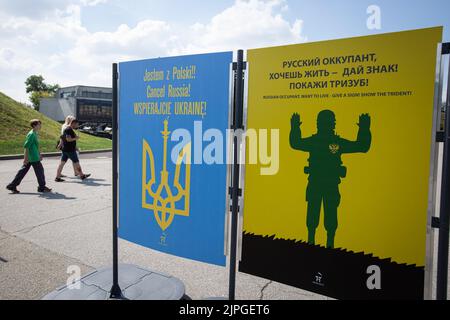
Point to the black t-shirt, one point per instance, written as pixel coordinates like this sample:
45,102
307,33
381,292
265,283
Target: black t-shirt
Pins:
69,146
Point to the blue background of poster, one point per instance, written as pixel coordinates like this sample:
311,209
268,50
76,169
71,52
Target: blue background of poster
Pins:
201,235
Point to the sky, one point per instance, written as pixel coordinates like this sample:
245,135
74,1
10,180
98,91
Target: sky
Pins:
72,42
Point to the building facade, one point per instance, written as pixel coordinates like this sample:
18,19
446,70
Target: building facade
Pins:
91,105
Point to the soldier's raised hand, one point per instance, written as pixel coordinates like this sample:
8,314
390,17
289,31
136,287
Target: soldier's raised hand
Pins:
364,121
295,120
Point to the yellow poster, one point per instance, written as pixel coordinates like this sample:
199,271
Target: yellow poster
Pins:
355,132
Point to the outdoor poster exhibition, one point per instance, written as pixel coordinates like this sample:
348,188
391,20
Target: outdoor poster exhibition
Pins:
224,159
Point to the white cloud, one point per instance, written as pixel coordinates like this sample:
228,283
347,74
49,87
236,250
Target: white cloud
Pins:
244,25
43,8
93,3
28,42
54,42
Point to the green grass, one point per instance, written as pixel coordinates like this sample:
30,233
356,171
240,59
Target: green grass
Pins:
14,126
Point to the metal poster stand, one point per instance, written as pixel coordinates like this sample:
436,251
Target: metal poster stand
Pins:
116,292
442,223
235,191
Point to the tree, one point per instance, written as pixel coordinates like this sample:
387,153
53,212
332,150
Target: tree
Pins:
35,83
38,89
36,96
52,89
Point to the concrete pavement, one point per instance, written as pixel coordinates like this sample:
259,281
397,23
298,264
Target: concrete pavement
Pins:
42,235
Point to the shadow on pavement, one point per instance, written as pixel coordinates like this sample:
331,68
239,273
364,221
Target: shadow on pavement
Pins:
49,196
91,182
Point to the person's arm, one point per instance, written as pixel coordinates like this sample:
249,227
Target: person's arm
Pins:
25,157
60,143
39,150
28,143
295,138
70,139
364,139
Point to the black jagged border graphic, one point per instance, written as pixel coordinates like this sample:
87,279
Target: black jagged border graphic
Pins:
343,272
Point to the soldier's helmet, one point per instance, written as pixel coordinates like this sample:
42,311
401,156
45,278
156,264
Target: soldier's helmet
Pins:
326,121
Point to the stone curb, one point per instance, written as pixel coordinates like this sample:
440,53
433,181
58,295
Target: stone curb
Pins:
51,154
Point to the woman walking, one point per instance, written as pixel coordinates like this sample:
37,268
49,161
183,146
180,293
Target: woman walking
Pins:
69,152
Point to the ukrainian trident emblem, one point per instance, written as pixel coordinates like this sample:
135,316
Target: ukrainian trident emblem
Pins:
164,200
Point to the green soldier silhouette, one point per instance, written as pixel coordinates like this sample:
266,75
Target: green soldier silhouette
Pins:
325,167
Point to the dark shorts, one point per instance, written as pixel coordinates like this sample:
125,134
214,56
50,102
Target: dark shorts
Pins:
70,155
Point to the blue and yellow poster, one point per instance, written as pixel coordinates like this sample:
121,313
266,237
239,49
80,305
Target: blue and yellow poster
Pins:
173,120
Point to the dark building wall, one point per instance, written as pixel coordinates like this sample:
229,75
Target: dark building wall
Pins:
97,111
88,104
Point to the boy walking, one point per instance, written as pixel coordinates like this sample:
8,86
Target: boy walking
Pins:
32,158
69,151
